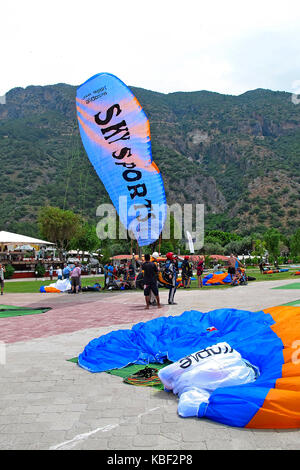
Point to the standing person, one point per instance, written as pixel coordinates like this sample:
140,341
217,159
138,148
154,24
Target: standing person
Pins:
261,267
216,268
110,277
66,271
131,274
150,281
185,270
2,271
172,275
115,272
105,275
190,274
154,258
233,264
75,278
51,272
79,285
59,273
200,269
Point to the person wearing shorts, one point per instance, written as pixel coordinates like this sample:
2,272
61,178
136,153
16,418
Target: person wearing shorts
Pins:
233,264
200,269
75,279
150,281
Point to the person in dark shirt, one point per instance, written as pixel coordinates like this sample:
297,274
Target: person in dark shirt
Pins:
131,275
186,272
150,281
171,269
200,269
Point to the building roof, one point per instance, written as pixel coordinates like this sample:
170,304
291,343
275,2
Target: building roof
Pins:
220,257
10,238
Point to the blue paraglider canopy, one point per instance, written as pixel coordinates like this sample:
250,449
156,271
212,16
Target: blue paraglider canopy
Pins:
260,338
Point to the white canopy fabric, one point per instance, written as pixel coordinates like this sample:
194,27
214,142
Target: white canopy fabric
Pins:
9,238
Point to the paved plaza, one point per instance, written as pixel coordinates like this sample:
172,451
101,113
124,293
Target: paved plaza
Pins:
48,402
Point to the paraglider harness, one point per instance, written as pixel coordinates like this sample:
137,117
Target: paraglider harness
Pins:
187,269
164,278
144,377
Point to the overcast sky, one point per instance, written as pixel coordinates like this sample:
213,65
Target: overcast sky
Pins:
162,45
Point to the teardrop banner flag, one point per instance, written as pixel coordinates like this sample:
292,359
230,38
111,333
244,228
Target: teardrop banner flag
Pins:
115,133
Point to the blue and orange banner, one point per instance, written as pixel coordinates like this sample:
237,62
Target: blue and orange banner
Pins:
115,132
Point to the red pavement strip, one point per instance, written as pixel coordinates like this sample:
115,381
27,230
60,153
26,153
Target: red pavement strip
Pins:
69,318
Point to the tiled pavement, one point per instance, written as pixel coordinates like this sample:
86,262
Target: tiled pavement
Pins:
48,402
72,313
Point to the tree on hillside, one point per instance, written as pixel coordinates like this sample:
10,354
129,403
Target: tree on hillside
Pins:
212,249
59,226
240,247
295,243
272,240
86,239
259,248
218,236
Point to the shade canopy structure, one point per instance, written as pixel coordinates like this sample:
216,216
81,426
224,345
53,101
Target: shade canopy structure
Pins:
10,238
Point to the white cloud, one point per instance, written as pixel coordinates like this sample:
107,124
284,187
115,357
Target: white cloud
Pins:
164,45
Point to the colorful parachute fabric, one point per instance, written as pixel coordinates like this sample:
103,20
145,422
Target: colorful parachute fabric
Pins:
115,132
61,285
274,271
215,279
195,377
266,339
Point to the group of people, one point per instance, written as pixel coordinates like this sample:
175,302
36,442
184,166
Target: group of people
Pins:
67,272
151,269
236,270
121,276
125,276
62,273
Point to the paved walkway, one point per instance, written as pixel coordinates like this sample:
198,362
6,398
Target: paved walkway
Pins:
48,402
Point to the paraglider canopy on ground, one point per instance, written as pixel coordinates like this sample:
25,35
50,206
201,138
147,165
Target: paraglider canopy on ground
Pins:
263,338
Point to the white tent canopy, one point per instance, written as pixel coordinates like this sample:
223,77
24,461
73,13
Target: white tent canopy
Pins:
9,238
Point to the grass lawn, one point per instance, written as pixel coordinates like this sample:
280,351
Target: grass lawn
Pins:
254,272
34,286
20,287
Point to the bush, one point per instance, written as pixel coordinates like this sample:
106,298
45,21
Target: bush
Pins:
9,271
40,269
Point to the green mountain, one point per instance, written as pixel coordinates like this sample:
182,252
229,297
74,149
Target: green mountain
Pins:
239,155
